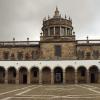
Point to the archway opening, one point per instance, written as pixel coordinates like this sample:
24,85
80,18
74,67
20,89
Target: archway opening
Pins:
23,75
2,75
82,74
70,75
11,75
46,75
34,75
58,75
94,74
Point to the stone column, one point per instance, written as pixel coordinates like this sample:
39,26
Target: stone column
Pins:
76,79
52,77
49,31
54,30
28,77
65,31
64,77
6,76
98,76
17,77
87,76
70,32
40,77
60,31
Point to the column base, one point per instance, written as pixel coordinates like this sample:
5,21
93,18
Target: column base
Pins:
17,81
6,81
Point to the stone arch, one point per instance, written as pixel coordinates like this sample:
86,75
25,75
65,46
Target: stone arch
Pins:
2,74
46,75
34,75
70,75
81,74
12,75
58,75
94,74
23,75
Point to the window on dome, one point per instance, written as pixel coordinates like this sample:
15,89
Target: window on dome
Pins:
62,31
68,31
46,32
57,31
51,31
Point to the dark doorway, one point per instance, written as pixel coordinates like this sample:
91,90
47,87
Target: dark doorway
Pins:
24,79
23,75
70,75
34,77
93,78
81,74
46,75
58,75
94,74
58,78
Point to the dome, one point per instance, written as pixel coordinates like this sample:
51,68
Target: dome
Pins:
57,26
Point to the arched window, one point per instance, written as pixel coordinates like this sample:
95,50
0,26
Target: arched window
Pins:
88,55
6,55
12,56
62,31
80,54
57,31
95,54
20,55
27,56
35,54
51,31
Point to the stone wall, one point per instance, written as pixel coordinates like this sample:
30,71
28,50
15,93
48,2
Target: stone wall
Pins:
91,49
68,50
15,50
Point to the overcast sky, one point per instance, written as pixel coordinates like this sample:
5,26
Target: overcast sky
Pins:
23,18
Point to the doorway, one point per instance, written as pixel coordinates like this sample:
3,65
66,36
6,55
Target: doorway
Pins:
58,75
93,78
58,78
25,79
94,74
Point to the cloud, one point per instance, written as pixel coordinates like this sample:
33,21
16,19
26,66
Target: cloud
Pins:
23,18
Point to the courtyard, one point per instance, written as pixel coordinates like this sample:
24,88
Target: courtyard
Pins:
50,92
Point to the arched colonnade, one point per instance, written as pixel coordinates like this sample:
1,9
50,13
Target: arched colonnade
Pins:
46,75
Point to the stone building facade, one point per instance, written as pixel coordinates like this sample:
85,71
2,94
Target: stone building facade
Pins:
57,43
